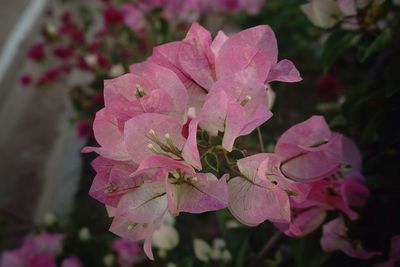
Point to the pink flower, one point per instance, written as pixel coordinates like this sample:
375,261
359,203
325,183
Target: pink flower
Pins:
149,88
26,80
157,134
335,237
128,252
113,180
262,192
135,18
36,251
236,106
36,52
109,136
200,61
311,151
71,262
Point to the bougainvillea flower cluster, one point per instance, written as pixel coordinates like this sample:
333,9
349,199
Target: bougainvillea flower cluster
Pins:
39,250
162,120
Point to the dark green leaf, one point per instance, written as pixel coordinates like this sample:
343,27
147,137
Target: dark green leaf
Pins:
382,40
335,45
212,161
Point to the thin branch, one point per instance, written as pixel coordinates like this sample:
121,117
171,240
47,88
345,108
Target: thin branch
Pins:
268,247
260,140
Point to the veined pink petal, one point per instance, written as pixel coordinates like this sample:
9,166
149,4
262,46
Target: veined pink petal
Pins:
217,43
270,172
239,123
110,184
213,113
134,231
304,222
308,134
167,55
137,134
334,237
195,56
196,65
253,48
252,204
109,136
284,71
145,204
165,80
120,96
251,201
310,151
207,193
190,152
161,162
351,157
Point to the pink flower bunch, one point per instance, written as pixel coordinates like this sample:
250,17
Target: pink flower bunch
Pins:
149,163
312,170
36,251
128,252
187,11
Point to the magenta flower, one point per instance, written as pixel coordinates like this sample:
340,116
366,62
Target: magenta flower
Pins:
36,52
36,251
63,52
335,237
128,252
112,16
84,129
71,262
26,80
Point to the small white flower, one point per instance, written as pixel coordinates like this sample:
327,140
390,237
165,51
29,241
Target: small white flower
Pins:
166,237
116,70
84,234
91,60
108,260
202,250
50,218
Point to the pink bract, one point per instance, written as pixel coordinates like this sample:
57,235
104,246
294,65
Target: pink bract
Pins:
335,237
310,150
261,183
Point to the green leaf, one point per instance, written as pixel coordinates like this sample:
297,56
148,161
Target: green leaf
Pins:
235,155
241,255
307,251
212,161
337,43
381,41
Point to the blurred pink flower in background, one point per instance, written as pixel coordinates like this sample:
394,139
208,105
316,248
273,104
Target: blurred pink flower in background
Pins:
128,252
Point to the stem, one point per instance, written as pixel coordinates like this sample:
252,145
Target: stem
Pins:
268,247
260,139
